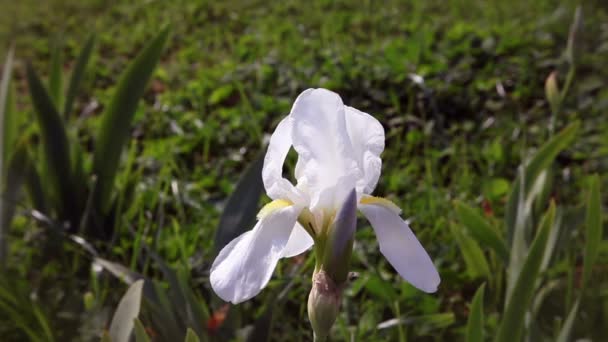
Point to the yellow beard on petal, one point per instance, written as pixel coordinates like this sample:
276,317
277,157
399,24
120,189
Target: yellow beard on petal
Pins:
372,200
273,206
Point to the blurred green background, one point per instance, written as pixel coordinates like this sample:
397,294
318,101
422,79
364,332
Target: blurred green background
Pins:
459,87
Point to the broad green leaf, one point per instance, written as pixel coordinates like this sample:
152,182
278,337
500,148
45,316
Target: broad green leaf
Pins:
593,223
116,121
54,141
242,206
512,324
78,74
475,260
476,317
127,311
191,336
56,73
566,330
482,230
140,332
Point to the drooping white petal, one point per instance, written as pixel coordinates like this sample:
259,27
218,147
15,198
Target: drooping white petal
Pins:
244,266
367,138
276,186
401,248
299,242
325,152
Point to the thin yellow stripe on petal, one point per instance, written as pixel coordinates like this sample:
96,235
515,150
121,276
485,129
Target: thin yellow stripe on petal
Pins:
272,206
372,200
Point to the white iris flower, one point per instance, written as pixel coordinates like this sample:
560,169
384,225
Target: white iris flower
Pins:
338,150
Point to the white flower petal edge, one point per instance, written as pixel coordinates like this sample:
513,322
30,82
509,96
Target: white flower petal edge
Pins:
299,242
367,138
244,266
401,248
276,186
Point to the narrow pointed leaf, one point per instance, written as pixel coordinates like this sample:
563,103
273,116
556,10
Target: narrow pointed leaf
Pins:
34,186
475,260
242,206
7,71
6,195
512,321
55,76
191,336
482,231
566,330
116,122
78,75
54,140
541,160
127,311
593,223
10,192
476,317
140,332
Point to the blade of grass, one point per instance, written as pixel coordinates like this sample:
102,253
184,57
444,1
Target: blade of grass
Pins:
514,315
78,74
116,121
476,317
566,330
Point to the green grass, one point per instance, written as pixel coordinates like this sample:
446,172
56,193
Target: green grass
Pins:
232,69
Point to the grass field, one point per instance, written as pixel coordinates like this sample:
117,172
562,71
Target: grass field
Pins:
459,88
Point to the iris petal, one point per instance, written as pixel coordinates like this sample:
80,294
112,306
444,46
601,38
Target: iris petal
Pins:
326,161
401,248
245,265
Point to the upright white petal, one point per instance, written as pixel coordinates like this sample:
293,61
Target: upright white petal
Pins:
367,138
401,248
276,186
299,242
326,157
244,266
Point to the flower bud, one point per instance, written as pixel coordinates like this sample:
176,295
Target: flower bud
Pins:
552,92
323,304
